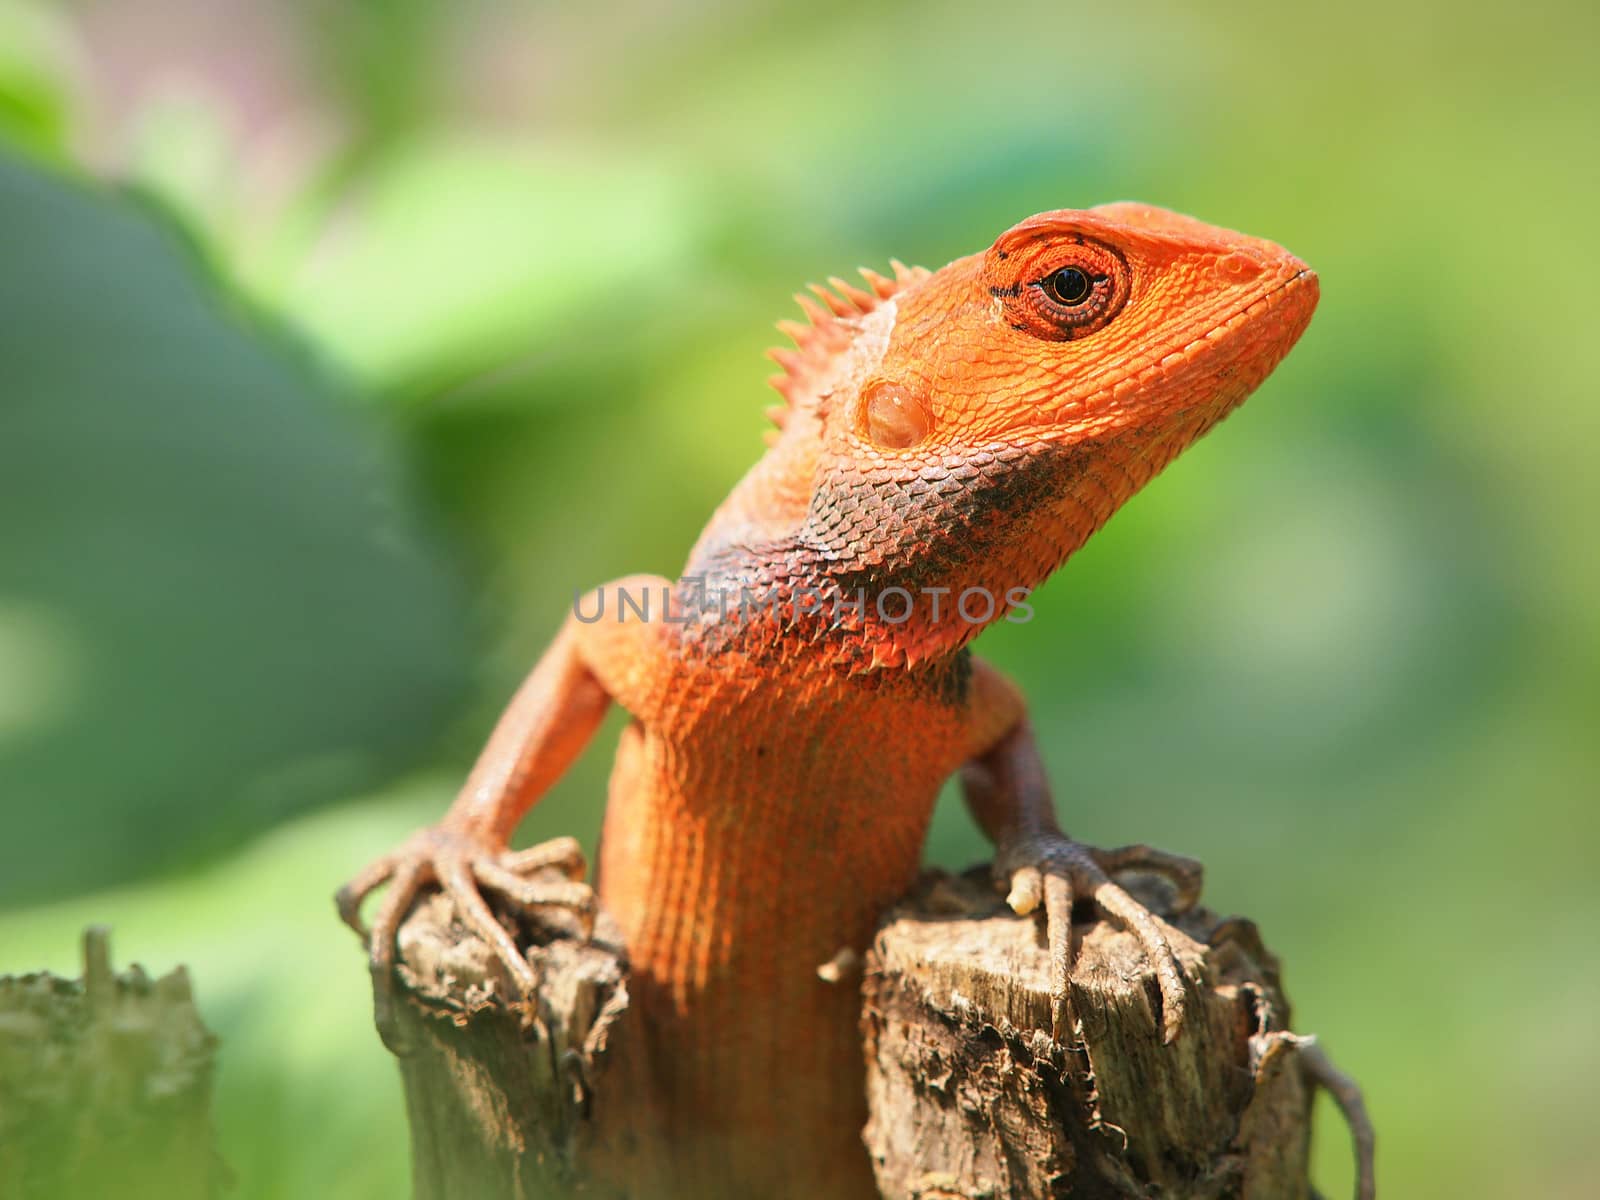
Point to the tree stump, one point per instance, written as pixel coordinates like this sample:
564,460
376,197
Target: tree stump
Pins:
969,1096
105,1086
515,1102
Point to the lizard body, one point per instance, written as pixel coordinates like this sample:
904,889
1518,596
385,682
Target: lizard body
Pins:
802,692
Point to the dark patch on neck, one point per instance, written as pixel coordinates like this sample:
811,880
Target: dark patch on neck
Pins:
922,525
942,523
837,632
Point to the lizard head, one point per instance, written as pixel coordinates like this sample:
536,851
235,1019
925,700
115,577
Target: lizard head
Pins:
1123,324
971,427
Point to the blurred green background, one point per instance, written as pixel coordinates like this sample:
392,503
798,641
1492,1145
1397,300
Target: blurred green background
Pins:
339,342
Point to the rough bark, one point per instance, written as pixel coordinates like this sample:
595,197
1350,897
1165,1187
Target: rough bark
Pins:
511,1103
969,1095
105,1086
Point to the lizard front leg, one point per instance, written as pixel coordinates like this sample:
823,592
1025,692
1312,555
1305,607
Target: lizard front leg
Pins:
1005,788
547,724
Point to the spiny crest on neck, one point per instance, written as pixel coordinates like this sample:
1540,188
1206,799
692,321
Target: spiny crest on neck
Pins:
832,324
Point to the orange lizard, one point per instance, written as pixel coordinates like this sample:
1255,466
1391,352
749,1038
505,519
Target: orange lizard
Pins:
802,692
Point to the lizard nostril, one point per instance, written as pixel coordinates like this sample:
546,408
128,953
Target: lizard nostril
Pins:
1238,267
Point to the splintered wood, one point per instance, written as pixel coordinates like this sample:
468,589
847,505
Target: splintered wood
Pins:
969,1096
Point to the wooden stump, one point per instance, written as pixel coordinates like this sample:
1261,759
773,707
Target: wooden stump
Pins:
518,1102
105,1086
969,1096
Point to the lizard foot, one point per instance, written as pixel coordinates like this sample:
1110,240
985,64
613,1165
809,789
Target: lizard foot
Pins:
463,863
1052,868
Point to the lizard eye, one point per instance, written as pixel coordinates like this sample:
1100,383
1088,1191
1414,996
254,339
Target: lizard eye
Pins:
1058,288
1078,298
1068,287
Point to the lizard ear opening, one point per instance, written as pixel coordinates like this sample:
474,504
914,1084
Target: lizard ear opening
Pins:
893,415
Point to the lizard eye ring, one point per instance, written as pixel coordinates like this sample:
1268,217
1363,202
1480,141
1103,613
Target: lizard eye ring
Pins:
1077,297
1059,288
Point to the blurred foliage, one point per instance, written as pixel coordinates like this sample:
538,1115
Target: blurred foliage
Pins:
400,292
35,106
199,533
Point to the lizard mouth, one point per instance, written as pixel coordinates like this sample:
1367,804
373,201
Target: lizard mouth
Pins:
1298,294
1244,335
1303,279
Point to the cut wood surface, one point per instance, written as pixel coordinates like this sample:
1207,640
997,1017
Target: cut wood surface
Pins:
514,1103
969,1096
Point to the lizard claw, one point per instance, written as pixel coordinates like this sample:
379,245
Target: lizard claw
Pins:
1053,870
1185,874
463,863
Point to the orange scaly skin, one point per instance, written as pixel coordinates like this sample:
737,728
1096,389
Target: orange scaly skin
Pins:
964,429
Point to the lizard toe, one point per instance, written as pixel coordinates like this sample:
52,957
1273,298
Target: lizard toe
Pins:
463,863
1055,868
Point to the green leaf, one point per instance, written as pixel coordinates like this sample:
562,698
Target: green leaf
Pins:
219,601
